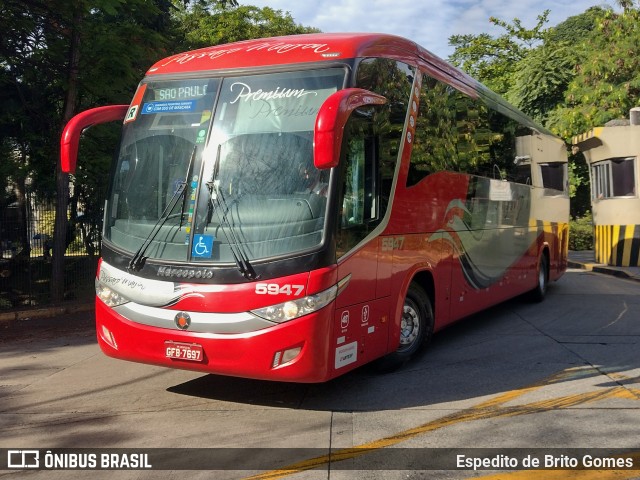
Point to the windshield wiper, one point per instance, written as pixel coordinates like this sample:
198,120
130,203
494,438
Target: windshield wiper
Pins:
137,261
218,202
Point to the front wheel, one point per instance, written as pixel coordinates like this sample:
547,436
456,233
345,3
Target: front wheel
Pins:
416,328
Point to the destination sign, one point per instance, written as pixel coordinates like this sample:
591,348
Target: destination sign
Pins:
182,92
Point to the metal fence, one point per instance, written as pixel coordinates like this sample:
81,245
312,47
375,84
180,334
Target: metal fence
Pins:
25,270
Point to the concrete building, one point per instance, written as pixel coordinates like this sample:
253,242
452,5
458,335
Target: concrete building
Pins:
612,155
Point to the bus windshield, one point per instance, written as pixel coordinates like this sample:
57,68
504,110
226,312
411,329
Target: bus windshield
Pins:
216,169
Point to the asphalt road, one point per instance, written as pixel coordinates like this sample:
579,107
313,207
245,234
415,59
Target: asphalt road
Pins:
518,378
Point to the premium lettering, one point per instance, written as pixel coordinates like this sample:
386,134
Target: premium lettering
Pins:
247,94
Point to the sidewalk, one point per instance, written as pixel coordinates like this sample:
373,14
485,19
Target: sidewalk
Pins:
586,261
46,312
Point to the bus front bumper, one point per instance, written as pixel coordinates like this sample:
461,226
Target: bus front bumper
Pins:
294,351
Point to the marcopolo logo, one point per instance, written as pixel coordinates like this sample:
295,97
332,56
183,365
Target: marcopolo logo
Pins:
205,273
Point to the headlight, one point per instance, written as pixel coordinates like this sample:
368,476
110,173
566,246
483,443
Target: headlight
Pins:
291,309
108,296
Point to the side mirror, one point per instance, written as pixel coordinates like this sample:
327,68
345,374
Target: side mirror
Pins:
74,128
330,122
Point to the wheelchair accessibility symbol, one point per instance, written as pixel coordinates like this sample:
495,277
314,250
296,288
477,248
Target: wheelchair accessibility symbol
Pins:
202,246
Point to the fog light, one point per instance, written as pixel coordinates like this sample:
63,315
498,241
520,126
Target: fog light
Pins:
285,356
290,354
108,337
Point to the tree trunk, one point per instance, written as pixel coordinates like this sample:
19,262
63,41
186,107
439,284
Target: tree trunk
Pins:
20,191
23,229
62,179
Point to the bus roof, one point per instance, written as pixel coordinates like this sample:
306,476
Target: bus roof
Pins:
287,50
319,47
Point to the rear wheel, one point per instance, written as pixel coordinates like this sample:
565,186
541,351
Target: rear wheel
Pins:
540,291
416,328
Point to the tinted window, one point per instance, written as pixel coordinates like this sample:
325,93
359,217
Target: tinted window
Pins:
370,150
463,134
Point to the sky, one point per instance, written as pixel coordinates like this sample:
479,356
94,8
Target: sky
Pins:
429,23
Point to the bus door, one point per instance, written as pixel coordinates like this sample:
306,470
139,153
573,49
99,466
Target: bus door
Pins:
362,317
363,308
369,158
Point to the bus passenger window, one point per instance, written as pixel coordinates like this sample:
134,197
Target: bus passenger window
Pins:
436,137
459,133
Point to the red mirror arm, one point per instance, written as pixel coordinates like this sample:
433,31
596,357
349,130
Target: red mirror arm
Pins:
74,128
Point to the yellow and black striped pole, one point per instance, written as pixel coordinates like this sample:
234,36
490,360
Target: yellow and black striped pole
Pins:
617,245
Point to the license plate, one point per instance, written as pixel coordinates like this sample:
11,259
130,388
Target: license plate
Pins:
191,352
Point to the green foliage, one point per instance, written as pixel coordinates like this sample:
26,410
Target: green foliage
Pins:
607,81
578,175
117,40
42,70
494,61
575,29
207,23
577,75
96,151
581,233
540,79
459,133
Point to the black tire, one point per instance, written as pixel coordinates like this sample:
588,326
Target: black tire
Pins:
416,329
542,272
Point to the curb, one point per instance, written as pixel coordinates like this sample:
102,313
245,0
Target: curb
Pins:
599,268
47,312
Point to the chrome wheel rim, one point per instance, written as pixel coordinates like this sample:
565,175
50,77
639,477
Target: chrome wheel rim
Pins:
410,325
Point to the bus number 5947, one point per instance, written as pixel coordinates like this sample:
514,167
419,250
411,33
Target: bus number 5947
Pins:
276,289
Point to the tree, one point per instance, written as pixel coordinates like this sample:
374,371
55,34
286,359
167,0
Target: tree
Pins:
59,57
607,80
207,23
577,28
540,80
606,83
494,61
543,75
123,36
26,99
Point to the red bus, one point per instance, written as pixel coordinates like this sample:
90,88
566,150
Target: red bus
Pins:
292,208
